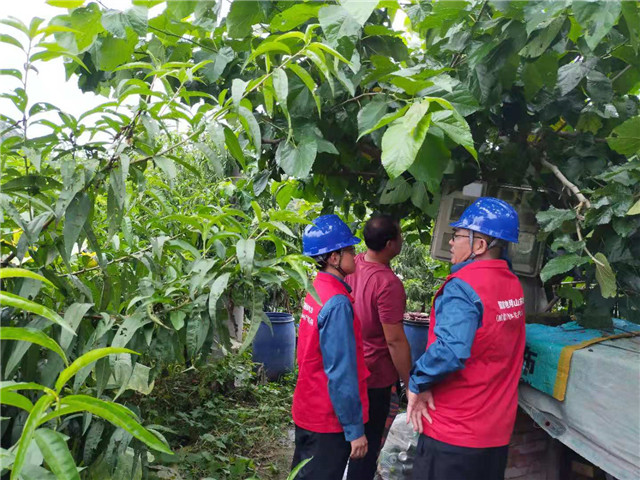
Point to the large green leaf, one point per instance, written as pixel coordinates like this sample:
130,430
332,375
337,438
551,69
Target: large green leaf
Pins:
561,264
74,219
15,301
218,286
56,453
294,16
553,218
32,335
542,39
245,251
631,14
252,127
625,138
117,415
234,147
371,114
397,190
117,23
541,73
85,360
596,18
403,139
27,433
337,23
308,81
605,276
297,159
570,75
15,400
10,272
635,209
456,128
241,17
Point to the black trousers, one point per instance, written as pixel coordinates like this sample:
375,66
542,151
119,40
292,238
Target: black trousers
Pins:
379,401
441,461
330,452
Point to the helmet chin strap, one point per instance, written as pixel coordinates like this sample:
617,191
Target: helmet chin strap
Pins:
338,267
472,255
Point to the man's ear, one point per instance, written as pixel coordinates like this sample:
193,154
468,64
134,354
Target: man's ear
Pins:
482,244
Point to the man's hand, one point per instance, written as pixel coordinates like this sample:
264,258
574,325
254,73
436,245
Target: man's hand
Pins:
359,447
418,407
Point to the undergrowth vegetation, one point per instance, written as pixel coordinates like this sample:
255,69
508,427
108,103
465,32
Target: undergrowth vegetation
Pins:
223,421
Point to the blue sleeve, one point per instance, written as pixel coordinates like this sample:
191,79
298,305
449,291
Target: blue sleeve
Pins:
458,317
338,347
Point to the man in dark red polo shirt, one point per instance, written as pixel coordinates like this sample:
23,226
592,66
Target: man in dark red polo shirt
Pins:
379,304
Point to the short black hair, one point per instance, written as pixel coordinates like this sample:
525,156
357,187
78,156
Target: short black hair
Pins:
379,229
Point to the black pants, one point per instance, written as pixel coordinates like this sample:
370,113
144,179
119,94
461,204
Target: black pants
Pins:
330,452
379,401
441,461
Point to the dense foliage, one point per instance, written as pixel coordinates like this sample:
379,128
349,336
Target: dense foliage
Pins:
178,202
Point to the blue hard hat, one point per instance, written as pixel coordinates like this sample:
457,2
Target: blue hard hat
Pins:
491,216
327,234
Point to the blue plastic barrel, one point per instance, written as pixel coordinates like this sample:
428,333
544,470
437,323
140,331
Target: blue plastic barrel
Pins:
276,351
417,334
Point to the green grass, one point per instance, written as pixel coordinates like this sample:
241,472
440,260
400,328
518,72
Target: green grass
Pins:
224,422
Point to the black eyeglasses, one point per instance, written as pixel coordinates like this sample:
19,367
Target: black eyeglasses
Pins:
458,235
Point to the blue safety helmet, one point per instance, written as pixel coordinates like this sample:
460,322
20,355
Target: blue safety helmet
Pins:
327,234
491,216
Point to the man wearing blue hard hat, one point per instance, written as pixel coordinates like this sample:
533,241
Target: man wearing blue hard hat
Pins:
330,403
463,391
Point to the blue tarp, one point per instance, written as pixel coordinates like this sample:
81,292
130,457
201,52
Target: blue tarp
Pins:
547,357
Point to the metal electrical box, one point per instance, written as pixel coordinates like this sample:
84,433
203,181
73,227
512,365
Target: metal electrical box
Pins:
526,255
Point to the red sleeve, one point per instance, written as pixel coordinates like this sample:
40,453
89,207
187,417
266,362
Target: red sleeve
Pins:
391,300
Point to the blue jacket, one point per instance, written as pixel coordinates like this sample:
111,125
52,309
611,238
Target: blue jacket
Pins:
459,313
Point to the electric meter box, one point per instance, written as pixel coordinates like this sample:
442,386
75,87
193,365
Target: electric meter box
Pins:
526,255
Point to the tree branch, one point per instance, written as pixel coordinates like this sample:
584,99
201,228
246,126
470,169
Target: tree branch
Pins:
565,181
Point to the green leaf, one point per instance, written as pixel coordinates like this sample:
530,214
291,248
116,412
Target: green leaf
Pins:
218,287
65,3
542,39
570,75
9,272
117,23
234,147
245,250
542,72
56,453
241,17
631,14
252,127
431,162
296,470
456,128
32,335
371,114
6,38
397,190
15,400
74,219
111,52
238,88
360,10
257,317
281,88
21,303
167,165
553,218
269,46
27,433
118,416
385,120
570,293
625,138
635,210
596,18
337,23
561,264
85,360
403,139
297,160
599,87
605,276
308,81
294,16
